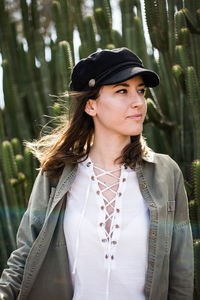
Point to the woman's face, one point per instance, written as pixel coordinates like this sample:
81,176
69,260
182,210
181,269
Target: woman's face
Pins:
120,108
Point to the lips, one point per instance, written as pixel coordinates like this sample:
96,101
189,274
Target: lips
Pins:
135,117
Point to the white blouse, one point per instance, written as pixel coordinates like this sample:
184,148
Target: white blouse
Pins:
107,240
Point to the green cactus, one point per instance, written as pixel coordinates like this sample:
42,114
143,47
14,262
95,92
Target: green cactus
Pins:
127,23
30,172
16,146
79,19
3,248
197,267
20,162
196,179
56,9
89,25
193,90
13,129
68,25
193,218
156,14
10,173
105,30
65,64
2,129
5,210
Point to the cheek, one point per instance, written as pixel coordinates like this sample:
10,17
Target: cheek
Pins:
145,107
110,107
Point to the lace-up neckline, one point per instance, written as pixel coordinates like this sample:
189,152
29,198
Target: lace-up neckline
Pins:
108,182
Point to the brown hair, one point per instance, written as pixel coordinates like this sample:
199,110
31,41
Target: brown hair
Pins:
70,141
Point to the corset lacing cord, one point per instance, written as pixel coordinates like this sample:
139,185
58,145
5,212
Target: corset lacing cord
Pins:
109,216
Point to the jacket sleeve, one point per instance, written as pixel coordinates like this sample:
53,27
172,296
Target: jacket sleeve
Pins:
181,256
28,231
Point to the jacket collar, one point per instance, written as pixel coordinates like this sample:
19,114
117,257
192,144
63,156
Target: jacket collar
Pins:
149,156
69,174
65,181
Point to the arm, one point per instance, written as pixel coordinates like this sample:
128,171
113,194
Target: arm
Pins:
181,255
28,231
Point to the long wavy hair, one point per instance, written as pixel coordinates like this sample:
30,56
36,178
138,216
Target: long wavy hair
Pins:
71,140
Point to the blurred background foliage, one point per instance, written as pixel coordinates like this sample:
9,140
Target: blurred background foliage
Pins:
38,50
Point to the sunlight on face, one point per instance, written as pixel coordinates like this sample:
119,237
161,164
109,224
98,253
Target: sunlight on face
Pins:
120,108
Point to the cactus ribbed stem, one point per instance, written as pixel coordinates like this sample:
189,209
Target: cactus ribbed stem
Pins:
81,26
197,266
65,63
2,129
103,24
10,173
139,41
8,217
56,12
89,24
128,33
9,94
67,22
20,162
182,56
30,171
196,179
16,146
194,219
156,15
193,23
193,89
179,75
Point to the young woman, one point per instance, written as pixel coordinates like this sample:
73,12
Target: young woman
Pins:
107,218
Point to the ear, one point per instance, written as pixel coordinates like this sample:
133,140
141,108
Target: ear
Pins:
90,107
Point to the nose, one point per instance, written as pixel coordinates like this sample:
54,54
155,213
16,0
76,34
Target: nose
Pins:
137,100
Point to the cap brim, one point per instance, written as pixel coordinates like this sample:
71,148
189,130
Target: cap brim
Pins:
151,79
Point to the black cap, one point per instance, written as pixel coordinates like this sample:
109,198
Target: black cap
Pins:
108,67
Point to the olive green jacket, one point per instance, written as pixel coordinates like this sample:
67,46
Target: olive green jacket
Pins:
39,268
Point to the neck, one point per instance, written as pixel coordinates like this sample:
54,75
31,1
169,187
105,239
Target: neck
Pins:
105,150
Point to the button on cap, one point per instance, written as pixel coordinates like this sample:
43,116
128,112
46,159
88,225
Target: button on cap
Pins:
92,82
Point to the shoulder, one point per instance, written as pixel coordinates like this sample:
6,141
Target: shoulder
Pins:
159,160
162,168
166,161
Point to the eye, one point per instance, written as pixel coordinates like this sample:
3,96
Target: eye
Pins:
142,91
122,91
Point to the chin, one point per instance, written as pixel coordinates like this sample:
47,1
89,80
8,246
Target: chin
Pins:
136,132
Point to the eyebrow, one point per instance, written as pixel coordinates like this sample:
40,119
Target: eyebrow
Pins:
127,85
